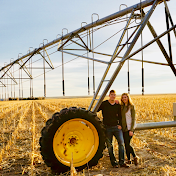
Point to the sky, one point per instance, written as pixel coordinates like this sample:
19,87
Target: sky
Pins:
25,25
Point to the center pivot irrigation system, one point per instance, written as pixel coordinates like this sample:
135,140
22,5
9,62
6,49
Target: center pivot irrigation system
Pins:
75,136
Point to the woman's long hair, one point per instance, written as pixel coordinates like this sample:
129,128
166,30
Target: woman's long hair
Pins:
129,101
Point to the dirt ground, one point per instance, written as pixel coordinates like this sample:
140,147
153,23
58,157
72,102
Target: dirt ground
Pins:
157,156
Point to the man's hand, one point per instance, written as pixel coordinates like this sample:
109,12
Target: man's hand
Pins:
130,133
119,127
117,101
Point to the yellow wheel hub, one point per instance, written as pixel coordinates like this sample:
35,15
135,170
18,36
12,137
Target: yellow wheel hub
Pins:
78,139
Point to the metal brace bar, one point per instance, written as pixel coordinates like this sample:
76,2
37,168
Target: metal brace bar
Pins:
150,62
162,47
127,41
83,42
168,34
3,84
112,59
16,78
143,24
7,70
168,13
25,71
10,76
149,43
78,44
46,60
104,62
35,51
75,49
49,59
102,54
152,41
71,36
38,67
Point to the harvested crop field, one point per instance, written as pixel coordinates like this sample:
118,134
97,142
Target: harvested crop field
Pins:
21,123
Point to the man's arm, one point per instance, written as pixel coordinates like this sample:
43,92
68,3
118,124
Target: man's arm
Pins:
101,107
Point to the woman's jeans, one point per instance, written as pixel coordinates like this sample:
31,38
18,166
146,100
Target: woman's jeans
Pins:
110,132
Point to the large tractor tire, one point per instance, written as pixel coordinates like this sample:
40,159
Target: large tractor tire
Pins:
74,134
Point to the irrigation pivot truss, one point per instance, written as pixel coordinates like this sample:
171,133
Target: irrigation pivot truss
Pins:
83,39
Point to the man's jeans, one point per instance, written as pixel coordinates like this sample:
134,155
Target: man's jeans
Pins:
110,132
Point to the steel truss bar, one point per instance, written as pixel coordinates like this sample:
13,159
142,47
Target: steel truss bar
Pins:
150,62
3,84
152,41
75,49
111,61
29,74
89,26
79,44
143,24
38,67
102,53
6,71
168,34
170,18
70,39
25,71
9,84
11,77
156,38
83,42
71,36
46,60
17,78
49,58
162,47
127,41
97,60
34,52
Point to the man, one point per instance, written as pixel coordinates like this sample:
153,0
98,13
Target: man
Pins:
112,121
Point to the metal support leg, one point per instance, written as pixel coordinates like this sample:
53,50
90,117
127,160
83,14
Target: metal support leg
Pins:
44,75
63,87
128,75
142,81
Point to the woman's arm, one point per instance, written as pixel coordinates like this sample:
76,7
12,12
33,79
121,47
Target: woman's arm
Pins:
133,117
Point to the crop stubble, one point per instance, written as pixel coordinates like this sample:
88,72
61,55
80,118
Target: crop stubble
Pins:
21,123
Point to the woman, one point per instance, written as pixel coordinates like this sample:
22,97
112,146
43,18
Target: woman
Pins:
128,125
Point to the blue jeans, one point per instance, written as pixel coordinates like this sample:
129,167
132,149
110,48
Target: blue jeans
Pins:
110,132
